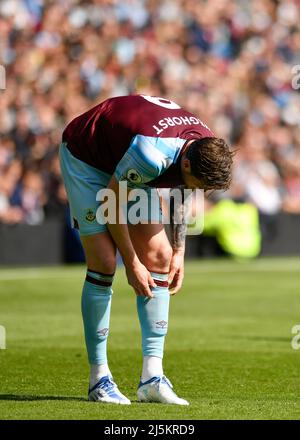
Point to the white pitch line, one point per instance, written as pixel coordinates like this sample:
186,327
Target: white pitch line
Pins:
12,275
38,276
245,269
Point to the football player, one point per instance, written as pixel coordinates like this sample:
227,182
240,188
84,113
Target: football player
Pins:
147,142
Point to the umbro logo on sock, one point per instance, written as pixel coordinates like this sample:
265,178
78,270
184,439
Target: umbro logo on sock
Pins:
161,324
103,332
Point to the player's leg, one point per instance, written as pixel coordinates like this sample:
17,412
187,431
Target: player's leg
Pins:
100,255
153,249
96,300
82,183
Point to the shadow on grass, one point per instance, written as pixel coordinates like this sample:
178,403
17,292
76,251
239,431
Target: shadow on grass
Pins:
28,398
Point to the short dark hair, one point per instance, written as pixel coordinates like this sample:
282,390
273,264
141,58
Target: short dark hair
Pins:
211,162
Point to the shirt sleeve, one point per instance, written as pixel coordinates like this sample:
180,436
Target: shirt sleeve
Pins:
147,157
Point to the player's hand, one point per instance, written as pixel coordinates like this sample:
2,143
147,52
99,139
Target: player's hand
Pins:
176,273
141,280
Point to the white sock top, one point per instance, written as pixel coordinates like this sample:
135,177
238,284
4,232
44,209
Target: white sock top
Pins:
152,366
97,372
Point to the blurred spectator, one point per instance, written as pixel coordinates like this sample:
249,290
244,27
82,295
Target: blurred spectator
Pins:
229,61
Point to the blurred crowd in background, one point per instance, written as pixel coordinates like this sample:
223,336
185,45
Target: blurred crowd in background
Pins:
228,61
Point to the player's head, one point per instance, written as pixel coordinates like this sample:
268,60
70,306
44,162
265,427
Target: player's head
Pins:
207,164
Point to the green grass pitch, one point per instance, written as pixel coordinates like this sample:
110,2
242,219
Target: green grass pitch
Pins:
228,350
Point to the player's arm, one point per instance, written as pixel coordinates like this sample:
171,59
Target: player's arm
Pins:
142,162
178,223
138,276
178,234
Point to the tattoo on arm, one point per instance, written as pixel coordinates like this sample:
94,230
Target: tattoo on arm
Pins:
178,237
178,223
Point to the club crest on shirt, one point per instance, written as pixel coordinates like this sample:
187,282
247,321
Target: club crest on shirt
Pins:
90,216
133,176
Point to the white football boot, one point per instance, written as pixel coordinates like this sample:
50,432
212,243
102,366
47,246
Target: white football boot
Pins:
159,389
106,391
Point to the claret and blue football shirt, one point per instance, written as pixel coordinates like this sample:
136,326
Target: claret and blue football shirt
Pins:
138,138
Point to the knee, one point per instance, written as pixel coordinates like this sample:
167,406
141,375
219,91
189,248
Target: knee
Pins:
100,253
108,265
164,256
104,264
160,259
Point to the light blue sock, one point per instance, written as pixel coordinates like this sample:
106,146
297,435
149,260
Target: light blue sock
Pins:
95,307
154,315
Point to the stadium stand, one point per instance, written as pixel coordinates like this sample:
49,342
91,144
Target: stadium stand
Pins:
229,61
